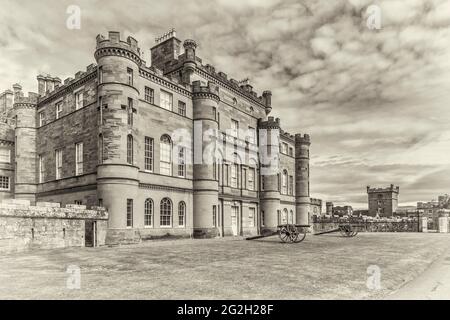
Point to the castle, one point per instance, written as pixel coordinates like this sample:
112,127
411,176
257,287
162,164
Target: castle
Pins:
383,202
172,148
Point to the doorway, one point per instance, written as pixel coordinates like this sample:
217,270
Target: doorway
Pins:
90,233
234,219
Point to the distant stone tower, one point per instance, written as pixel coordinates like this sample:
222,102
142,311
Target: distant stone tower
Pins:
302,198
383,202
329,208
117,174
206,188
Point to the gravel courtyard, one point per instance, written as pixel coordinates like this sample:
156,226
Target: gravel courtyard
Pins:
321,267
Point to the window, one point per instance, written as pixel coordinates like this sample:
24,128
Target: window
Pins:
284,148
130,112
182,108
251,217
149,95
166,100
284,182
78,202
165,213
251,135
148,154
284,217
130,76
291,185
291,217
214,217
181,214
130,149
262,182
5,155
129,213
225,174
181,162
100,74
234,175
234,128
58,160
79,100
59,109
262,218
79,158
148,213
4,183
41,119
41,169
291,151
214,111
251,178
165,151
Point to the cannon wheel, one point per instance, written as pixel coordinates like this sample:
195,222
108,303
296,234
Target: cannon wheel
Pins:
347,231
285,234
301,235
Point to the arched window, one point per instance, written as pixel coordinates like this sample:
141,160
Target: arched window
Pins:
291,217
148,213
284,216
130,149
165,152
181,214
284,182
165,213
100,148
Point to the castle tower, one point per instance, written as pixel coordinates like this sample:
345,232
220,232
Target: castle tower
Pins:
383,202
206,188
26,168
269,134
329,208
302,199
117,174
189,63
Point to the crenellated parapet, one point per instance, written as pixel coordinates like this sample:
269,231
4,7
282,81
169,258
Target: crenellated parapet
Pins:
209,91
113,45
270,123
391,188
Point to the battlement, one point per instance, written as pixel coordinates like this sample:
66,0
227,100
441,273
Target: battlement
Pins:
317,202
302,139
113,45
209,89
270,123
287,135
47,84
391,188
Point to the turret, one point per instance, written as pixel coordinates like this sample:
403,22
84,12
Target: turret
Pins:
206,188
269,135
189,63
6,101
24,110
117,174
302,197
267,100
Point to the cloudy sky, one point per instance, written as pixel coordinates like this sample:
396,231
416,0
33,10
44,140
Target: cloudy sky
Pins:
376,102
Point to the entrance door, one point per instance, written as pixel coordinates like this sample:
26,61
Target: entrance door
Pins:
90,233
234,219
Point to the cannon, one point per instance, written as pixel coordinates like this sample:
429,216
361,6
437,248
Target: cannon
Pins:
346,230
288,233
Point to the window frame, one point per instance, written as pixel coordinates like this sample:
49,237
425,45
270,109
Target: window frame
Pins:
148,213
182,214
149,152
164,103
58,163
79,159
5,180
168,213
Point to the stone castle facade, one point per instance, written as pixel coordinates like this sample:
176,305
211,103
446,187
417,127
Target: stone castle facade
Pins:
171,148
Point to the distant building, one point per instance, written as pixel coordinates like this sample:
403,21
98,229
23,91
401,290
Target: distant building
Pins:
433,208
329,206
342,211
383,202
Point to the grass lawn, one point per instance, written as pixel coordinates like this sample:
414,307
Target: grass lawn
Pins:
320,267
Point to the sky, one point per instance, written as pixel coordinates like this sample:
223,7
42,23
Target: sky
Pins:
374,100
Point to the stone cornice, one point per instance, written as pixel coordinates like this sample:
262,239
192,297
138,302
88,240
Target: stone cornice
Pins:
164,188
164,82
120,52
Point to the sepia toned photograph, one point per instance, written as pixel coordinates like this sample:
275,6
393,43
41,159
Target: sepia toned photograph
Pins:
203,151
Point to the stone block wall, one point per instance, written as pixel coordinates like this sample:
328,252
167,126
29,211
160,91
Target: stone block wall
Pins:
46,225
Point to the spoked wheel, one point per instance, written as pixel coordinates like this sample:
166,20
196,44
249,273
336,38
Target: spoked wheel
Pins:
285,234
300,236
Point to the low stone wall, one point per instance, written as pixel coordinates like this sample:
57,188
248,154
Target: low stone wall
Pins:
46,225
370,226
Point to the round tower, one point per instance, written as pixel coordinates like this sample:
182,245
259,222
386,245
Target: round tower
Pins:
117,174
26,171
269,133
302,198
206,188
189,63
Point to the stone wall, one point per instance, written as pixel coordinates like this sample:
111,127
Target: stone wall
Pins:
46,225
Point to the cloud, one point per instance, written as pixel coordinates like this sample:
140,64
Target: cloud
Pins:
374,101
